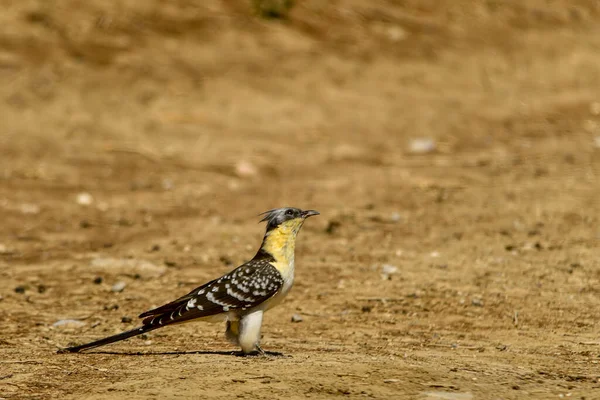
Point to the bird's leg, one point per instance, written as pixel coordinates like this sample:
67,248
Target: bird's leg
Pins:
260,350
232,332
249,331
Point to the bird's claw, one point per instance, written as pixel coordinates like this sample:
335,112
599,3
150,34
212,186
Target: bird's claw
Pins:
259,352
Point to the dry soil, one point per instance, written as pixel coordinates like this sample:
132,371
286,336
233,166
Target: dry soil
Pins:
140,139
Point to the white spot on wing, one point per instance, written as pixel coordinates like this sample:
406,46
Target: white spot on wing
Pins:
191,303
211,297
235,295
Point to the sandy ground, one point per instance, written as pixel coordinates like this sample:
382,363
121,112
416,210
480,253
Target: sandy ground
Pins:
139,140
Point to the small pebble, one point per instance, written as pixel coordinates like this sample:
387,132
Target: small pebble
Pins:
98,280
226,260
421,146
245,169
396,33
332,227
41,288
126,319
396,217
84,199
297,318
28,208
477,302
167,184
391,380
20,289
118,287
389,269
4,249
68,323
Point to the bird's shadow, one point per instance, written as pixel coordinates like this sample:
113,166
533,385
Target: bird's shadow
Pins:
269,354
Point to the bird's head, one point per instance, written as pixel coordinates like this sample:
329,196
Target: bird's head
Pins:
286,218
283,224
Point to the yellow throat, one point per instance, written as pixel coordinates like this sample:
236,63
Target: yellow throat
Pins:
280,242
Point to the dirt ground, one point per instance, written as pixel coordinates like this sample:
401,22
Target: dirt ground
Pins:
456,140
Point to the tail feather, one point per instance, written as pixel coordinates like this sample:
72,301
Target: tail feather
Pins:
111,339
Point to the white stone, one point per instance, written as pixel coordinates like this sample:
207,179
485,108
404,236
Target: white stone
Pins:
68,323
84,199
118,287
422,146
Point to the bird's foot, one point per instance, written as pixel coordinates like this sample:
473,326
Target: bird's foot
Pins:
259,352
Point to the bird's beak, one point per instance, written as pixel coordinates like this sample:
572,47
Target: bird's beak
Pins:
309,213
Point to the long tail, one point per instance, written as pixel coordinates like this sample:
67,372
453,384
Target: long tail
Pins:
111,339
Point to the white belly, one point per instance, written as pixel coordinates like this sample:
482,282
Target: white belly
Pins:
287,273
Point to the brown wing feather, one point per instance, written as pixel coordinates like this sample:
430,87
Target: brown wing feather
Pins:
245,287
175,304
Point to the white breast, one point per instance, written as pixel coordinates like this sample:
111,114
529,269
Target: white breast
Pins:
287,273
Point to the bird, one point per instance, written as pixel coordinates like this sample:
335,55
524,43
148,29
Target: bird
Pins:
240,297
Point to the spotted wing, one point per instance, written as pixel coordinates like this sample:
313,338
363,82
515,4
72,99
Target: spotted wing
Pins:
243,288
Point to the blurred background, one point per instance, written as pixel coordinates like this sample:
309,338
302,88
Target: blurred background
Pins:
451,146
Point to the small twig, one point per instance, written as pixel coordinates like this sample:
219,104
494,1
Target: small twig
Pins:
353,376
440,385
516,318
21,362
310,314
381,299
96,368
452,346
260,377
145,154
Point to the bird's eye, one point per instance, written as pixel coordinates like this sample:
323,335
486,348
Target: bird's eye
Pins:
289,212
